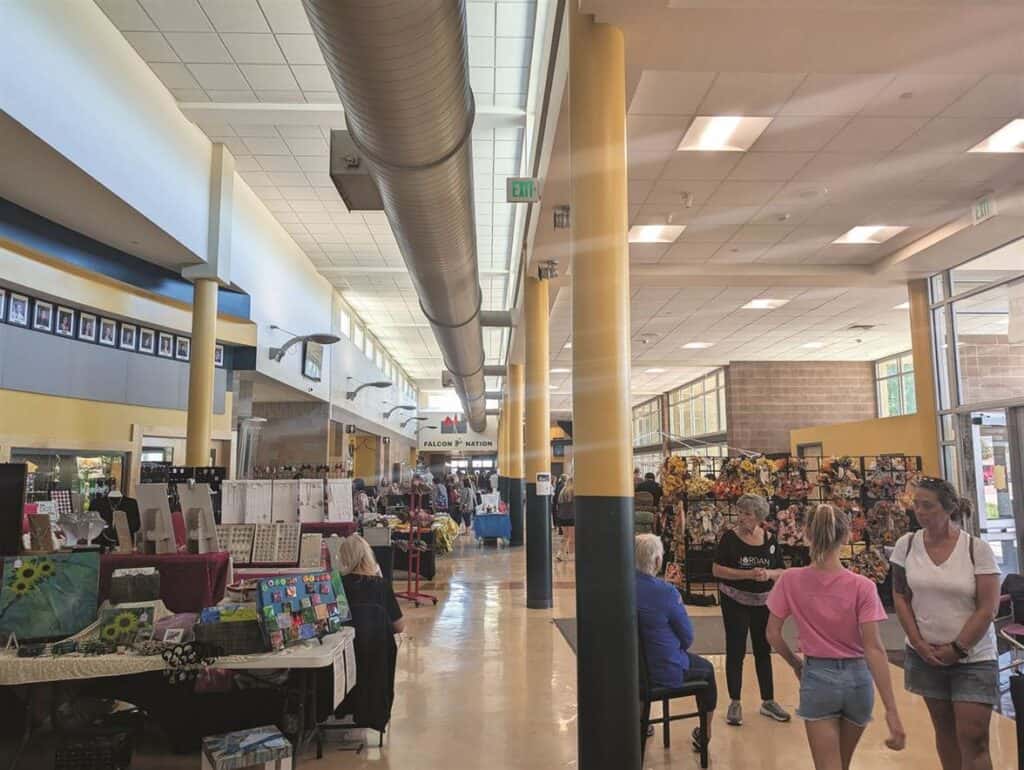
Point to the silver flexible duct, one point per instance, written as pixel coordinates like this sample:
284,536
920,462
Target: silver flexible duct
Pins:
401,69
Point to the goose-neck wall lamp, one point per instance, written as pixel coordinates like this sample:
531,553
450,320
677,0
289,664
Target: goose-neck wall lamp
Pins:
350,395
276,354
392,410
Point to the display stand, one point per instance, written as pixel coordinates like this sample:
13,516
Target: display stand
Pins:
413,548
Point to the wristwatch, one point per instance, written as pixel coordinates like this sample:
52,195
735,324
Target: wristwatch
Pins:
961,651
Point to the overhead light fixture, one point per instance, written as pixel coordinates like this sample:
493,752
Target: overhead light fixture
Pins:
568,346
870,234
413,419
392,410
655,233
276,354
902,306
553,387
697,345
813,345
654,370
375,384
765,304
561,371
723,133
1009,138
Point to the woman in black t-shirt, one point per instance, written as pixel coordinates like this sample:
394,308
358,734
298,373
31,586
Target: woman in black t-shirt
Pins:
747,562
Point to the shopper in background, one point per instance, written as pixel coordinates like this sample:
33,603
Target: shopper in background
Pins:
649,484
837,614
559,486
946,590
747,562
467,503
567,521
637,477
666,631
440,497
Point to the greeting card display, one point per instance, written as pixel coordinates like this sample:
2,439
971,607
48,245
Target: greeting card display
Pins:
298,607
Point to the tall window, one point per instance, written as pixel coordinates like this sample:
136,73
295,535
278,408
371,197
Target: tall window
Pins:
370,350
346,324
647,423
894,379
357,335
698,408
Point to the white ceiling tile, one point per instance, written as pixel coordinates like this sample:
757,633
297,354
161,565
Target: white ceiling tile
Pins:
299,131
269,76
917,94
313,162
870,134
308,146
320,179
681,252
276,163
669,92
313,77
995,96
287,178
769,166
822,94
511,80
266,146
799,133
286,17
951,135
480,18
291,96
198,47
733,193
749,93
767,234
654,133
232,95
247,163
322,97
174,75
235,15
481,80
219,77
481,52
301,49
256,129
177,15
151,46
127,15
253,49
699,165
190,95
514,19
512,51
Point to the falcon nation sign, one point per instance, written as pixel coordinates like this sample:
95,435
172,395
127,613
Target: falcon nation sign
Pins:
449,432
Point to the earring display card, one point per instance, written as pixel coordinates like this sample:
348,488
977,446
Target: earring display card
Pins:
339,500
232,502
237,540
62,497
310,550
258,502
311,500
264,549
285,505
298,607
288,542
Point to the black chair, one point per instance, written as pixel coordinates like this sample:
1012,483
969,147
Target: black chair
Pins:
650,694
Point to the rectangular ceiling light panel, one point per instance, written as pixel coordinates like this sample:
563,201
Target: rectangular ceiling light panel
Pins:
765,304
1009,138
722,133
655,233
869,234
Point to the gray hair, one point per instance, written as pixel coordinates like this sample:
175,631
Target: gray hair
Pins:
754,504
648,552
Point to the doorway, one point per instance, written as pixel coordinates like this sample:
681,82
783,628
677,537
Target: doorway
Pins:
995,444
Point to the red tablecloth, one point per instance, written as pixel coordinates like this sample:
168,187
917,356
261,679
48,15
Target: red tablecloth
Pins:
328,528
188,581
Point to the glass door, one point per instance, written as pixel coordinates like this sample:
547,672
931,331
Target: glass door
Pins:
994,443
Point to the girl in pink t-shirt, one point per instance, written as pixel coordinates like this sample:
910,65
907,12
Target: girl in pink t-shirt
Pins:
837,615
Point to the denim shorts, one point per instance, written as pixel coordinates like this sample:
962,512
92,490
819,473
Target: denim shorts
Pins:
836,688
966,682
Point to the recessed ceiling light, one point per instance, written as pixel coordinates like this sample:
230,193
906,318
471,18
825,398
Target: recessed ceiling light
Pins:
813,345
765,304
1009,138
553,387
723,133
697,345
655,233
568,346
902,306
560,371
654,371
869,234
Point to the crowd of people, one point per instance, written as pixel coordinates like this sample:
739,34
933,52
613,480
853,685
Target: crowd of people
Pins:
946,587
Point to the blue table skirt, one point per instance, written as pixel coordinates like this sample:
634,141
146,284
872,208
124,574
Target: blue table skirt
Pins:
493,525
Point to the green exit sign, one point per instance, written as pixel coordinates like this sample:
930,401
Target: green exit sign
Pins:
522,189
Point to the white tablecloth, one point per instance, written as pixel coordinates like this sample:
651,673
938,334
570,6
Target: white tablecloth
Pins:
308,654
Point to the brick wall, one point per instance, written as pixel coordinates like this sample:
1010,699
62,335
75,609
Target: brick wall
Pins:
991,369
765,400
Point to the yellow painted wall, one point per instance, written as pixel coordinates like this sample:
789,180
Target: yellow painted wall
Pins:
39,274
366,462
910,435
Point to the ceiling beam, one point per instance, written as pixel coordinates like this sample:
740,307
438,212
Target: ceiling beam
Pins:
388,270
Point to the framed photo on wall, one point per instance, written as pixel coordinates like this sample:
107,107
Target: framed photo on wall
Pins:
3,303
108,332
312,360
128,335
42,316
147,341
17,310
65,321
165,345
218,356
87,327
182,348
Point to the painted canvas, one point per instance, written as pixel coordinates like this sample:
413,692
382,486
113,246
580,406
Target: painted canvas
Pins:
49,597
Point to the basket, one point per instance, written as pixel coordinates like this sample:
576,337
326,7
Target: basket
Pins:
93,751
243,637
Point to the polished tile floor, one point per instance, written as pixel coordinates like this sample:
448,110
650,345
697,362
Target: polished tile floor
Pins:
482,682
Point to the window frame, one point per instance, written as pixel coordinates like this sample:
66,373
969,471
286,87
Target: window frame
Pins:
899,379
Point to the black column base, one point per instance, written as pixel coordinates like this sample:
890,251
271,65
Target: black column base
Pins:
516,494
538,549
502,489
607,656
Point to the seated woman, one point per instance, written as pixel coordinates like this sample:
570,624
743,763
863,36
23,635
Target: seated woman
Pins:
666,631
376,617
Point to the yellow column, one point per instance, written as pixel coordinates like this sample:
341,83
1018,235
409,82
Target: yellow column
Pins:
609,716
200,372
538,443
924,374
515,451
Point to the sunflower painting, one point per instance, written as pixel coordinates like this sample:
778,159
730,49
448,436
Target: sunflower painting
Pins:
48,597
126,625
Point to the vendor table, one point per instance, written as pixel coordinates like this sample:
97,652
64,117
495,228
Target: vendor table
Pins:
304,659
328,528
492,525
188,581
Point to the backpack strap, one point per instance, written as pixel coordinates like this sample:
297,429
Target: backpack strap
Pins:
971,548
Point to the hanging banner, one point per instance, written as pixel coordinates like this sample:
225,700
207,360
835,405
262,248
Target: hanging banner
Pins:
450,432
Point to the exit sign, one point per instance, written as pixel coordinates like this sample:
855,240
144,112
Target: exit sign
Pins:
522,189
984,208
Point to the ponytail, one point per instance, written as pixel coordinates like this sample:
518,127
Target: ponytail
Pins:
828,530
